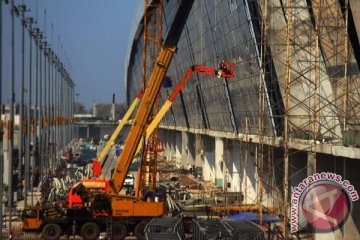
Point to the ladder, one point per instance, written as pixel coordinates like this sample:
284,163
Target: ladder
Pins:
149,164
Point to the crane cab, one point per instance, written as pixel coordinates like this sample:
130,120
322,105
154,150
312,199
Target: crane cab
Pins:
31,218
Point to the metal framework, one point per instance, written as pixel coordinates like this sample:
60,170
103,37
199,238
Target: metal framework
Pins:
226,229
152,44
165,228
317,76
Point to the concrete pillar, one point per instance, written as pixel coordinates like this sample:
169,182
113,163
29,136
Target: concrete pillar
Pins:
178,148
191,148
311,163
208,170
219,162
169,153
185,151
172,146
250,190
199,152
232,156
87,131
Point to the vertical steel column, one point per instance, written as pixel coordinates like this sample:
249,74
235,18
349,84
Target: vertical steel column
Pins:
52,107
1,123
72,111
57,109
22,9
48,114
60,108
246,159
49,107
68,110
29,120
63,106
65,127
346,64
262,79
35,127
10,128
289,29
45,140
41,117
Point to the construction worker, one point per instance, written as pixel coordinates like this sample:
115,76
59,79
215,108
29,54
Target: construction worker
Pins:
222,68
219,73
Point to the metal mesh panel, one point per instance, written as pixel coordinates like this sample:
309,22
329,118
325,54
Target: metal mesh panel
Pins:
165,228
226,230
210,229
244,230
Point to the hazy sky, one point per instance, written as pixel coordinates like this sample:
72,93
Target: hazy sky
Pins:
94,35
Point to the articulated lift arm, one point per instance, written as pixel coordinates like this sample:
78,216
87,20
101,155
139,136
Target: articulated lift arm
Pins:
151,92
99,163
226,71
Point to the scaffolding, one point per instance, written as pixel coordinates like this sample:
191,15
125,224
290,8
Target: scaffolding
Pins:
152,43
315,67
318,77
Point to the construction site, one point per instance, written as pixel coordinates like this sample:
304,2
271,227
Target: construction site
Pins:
242,122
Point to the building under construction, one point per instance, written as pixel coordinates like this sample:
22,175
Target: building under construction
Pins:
291,111
269,114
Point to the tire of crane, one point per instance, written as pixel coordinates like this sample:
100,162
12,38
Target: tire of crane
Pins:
139,230
52,231
90,231
119,232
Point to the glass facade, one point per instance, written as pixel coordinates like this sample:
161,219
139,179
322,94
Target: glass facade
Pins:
214,31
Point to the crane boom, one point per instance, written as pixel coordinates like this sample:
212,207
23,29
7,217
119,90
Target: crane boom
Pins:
139,124
98,163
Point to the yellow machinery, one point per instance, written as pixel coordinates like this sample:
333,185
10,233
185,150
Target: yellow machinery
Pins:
98,163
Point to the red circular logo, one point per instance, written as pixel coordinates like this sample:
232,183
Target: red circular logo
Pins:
325,206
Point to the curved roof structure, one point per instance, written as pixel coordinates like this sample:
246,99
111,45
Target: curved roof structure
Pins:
294,64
